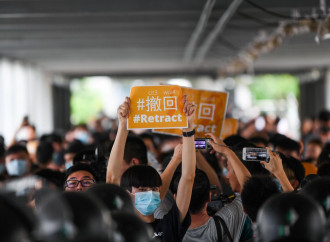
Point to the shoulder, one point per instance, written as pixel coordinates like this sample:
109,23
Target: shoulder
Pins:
169,227
206,232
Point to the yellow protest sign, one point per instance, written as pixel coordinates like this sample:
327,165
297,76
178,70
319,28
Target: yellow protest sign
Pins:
230,127
156,107
210,113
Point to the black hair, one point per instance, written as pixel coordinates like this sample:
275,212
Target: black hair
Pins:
86,155
258,139
140,176
316,141
308,179
200,192
44,153
2,150
324,115
80,167
53,137
325,155
74,147
294,165
233,140
324,169
286,143
135,148
16,149
256,190
55,177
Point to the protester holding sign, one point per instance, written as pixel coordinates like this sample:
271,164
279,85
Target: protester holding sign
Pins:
156,107
143,183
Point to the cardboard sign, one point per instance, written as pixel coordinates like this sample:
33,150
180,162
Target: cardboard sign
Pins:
230,127
210,113
156,107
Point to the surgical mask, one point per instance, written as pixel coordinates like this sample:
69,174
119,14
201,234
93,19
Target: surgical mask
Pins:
68,165
2,168
147,202
83,136
16,167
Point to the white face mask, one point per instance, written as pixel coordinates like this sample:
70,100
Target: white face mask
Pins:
17,167
83,136
68,164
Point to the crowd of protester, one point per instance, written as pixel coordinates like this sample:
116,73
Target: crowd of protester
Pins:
106,183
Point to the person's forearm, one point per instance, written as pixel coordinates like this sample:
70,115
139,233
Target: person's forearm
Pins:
116,157
188,158
188,175
167,175
242,173
284,181
207,168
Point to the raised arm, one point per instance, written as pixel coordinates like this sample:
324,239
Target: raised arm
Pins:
242,173
275,166
117,153
188,164
22,125
168,173
207,168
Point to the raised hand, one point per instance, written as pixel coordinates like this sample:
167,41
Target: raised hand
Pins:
123,112
275,162
217,144
189,109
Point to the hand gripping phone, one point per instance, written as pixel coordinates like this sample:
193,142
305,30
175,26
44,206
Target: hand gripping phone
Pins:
202,144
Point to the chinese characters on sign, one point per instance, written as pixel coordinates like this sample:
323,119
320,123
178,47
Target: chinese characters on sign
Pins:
210,115
156,107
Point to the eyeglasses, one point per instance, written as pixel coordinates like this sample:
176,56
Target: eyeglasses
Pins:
84,182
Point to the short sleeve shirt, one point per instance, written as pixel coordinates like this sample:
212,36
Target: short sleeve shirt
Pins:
169,228
234,217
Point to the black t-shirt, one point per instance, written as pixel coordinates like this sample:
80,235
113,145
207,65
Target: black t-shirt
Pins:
169,228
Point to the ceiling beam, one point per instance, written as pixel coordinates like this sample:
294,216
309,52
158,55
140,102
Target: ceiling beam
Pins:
218,29
200,27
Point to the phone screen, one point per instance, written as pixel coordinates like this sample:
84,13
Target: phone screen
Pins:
255,154
200,144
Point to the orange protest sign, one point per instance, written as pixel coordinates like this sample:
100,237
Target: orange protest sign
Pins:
156,107
230,127
210,113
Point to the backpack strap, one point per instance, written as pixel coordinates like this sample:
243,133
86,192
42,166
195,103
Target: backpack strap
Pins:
218,227
224,226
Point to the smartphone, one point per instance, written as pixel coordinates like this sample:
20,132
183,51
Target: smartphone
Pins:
202,144
255,154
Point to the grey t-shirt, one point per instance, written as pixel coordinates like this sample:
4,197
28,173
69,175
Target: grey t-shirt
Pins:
234,217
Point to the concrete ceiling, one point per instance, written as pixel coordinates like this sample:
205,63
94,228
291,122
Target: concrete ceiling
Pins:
148,37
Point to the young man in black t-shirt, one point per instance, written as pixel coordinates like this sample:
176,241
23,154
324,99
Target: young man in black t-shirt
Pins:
146,187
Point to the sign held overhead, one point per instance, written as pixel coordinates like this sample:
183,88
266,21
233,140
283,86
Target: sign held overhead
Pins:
156,107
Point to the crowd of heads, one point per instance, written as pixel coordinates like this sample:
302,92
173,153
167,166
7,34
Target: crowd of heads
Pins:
53,186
